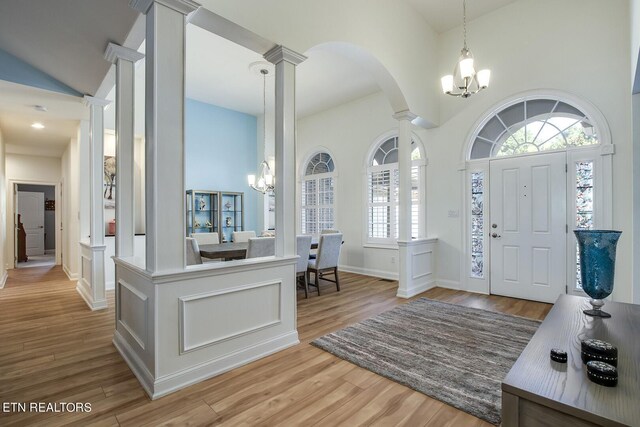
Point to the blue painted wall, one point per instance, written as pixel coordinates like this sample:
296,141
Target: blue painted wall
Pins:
220,151
13,69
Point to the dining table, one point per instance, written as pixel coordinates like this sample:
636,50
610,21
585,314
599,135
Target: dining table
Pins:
231,250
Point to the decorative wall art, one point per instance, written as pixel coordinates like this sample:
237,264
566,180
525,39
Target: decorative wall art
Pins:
109,182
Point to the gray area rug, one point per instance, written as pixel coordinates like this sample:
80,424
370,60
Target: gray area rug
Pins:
455,354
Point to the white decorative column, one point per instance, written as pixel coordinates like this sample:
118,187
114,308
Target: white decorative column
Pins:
91,284
416,256
285,61
124,59
164,132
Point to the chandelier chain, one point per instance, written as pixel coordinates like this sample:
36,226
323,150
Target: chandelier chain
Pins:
464,22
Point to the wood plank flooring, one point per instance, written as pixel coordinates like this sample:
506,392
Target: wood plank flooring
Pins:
53,349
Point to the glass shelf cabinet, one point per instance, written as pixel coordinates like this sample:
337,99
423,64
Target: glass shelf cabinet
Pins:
215,212
202,212
231,214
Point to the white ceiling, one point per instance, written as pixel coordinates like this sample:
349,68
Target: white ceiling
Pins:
219,73
17,114
443,15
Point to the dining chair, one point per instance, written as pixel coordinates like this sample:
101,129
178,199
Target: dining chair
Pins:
206,238
313,254
193,251
261,247
304,246
326,262
242,236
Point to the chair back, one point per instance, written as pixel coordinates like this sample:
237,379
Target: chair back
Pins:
304,247
329,250
242,236
261,247
193,252
329,231
206,238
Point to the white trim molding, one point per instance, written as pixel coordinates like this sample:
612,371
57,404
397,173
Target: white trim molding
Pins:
183,6
115,52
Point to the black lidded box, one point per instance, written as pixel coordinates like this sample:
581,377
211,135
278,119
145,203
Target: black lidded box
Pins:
602,373
601,351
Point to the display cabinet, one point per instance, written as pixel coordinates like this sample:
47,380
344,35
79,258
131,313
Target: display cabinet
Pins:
231,214
203,212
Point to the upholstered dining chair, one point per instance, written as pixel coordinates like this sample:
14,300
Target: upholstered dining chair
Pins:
314,253
193,252
206,238
242,236
326,261
261,246
304,246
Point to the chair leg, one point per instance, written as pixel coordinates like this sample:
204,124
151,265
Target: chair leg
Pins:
335,273
306,286
317,272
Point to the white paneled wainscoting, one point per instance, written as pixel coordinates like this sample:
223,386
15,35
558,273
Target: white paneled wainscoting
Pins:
177,329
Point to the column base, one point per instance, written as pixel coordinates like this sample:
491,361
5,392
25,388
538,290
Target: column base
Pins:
91,284
417,262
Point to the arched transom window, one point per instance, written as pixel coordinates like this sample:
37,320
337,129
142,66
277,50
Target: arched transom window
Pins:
531,126
318,194
382,191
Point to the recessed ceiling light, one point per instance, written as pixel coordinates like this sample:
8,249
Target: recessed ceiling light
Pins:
41,108
37,125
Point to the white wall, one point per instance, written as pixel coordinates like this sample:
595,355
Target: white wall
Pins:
28,169
577,46
3,213
348,131
71,210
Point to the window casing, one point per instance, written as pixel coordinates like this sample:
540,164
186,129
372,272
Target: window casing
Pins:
318,195
382,192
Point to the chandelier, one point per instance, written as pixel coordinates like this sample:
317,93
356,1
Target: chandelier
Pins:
264,184
464,78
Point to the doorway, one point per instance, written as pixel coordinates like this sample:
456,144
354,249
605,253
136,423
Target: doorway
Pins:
35,231
528,231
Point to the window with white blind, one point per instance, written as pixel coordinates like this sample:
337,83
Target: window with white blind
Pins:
318,194
382,192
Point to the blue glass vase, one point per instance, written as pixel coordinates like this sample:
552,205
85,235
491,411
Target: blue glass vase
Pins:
597,250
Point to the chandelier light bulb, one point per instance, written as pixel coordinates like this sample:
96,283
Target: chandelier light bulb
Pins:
483,78
447,83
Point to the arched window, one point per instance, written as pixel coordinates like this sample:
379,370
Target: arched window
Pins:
318,194
531,126
382,191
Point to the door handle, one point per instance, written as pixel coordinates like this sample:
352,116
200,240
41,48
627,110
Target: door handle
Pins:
496,236
41,226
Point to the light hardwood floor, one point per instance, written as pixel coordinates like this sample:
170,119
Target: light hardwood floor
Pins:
53,349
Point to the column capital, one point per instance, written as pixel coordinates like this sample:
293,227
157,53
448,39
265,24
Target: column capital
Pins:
404,115
92,101
115,52
280,53
183,6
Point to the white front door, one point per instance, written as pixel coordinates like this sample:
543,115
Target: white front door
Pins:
528,226
31,210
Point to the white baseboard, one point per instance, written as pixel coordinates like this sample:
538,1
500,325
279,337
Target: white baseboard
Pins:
408,293
369,272
3,279
70,275
170,383
93,305
448,284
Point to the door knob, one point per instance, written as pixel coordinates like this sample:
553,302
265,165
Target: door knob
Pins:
496,236
494,225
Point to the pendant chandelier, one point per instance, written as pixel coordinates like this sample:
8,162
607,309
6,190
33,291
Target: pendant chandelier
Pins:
264,184
464,81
